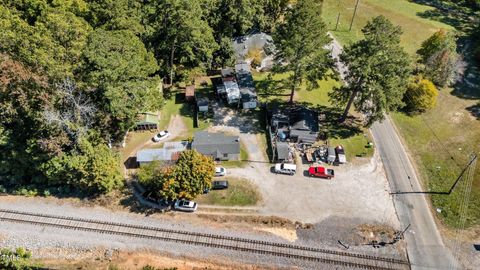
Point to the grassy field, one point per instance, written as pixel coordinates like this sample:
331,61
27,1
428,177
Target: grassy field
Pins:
353,140
401,12
449,130
240,192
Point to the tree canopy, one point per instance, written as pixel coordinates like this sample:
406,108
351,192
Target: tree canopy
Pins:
301,42
421,95
189,177
440,58
378,71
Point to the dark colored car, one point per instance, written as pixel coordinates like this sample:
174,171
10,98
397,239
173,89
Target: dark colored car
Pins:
219,184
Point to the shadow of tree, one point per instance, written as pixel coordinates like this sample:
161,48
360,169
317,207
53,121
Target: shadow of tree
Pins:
475,110
454,14
271,87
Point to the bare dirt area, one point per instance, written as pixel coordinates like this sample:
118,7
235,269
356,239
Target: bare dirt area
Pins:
99,259
465,245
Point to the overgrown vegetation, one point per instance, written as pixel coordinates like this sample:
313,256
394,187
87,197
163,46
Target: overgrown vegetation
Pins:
18,259
75,74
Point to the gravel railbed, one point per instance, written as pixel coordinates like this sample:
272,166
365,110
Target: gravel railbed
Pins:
38,237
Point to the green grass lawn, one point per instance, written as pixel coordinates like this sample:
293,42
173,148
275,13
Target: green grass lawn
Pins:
401,12
240,192
435,137
458,135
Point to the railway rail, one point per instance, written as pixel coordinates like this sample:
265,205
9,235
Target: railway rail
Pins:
312,254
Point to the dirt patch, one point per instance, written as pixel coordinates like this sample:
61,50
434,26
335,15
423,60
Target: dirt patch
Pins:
264,221
375,233
107,259
289,234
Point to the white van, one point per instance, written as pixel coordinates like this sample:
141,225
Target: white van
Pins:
290,169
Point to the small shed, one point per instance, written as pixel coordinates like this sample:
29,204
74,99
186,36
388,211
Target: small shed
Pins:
146,121
232,91
202,103
190,93
283,151
227,72
249,98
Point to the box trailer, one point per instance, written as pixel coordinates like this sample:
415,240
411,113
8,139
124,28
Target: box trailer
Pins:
331,156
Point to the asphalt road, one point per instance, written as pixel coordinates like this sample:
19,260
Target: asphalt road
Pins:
425,247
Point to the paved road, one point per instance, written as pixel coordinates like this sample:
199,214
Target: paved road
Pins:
424,243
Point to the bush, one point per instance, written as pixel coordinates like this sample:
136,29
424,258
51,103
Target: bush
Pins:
421,95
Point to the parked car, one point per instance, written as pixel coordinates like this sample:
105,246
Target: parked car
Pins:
322,172
220,171
284,168
186,206
161,136
341,154
222,184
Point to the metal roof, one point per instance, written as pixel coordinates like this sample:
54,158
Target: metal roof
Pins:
282,150
215,144
149,155
147,118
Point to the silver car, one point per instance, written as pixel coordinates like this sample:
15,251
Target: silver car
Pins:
220,171
186,206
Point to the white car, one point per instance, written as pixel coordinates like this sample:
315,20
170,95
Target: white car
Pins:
186,206
161,136
220,171
285,168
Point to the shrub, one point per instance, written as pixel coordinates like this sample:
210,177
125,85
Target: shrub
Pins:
421,95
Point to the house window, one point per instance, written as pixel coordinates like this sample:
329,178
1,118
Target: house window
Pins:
225,155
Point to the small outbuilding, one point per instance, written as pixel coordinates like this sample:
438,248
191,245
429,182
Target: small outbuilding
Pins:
202,103
283,151
232,91
190,93
146,121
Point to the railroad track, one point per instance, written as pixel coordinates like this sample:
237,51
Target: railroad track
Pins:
312,254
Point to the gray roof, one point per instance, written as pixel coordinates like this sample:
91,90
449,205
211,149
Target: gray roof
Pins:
202,101
242,67
304,136
149,155
215,144
282,150
162,154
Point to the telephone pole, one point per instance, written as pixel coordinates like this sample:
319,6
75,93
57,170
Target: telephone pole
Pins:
353,17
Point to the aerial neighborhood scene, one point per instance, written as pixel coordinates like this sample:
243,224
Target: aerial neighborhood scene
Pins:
239,134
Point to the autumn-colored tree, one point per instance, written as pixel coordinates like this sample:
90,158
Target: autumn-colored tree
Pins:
440,59
421,95
189,177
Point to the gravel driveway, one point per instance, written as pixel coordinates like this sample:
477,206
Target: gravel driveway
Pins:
357,191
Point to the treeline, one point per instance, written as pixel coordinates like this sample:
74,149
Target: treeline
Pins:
75,73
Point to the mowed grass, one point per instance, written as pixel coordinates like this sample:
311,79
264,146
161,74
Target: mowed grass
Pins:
401,12
434,138
240,192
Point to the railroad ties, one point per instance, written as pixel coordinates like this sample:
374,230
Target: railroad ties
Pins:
289,251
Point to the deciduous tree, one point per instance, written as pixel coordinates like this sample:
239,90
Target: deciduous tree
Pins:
378,70
421,95
301,42
439,57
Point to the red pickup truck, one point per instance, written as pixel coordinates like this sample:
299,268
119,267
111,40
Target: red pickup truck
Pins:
321,172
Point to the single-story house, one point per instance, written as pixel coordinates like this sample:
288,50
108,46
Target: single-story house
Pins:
202,103
232,91
169,152
190,93
217,145
304,125
146,121
300,123
246,86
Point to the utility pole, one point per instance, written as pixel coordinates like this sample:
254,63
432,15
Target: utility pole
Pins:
336,25
354,13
